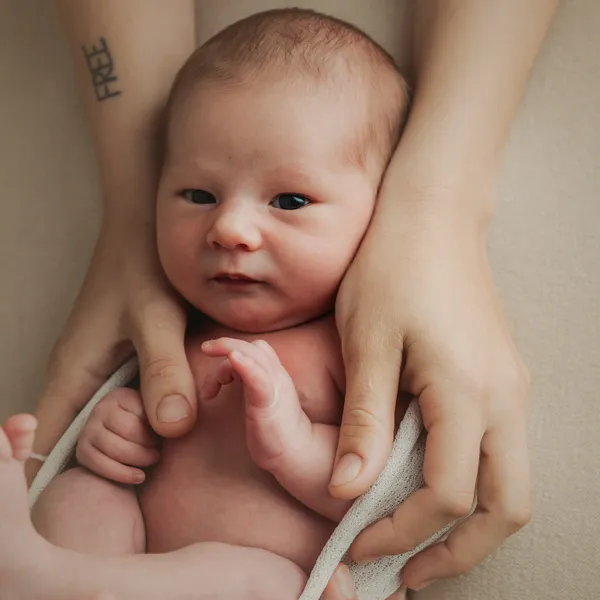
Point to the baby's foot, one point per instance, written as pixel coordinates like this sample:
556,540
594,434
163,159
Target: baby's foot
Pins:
16,443
22,548
273,411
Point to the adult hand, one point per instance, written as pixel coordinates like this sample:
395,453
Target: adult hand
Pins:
340,587
125,303
419,301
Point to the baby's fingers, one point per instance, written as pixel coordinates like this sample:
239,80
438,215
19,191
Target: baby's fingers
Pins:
258,381
91,458
124,451
222,375
259,350
130,401
130,427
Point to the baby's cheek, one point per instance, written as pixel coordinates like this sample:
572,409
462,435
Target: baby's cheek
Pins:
178,249
325,265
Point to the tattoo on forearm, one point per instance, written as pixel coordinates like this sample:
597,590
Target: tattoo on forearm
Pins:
101,65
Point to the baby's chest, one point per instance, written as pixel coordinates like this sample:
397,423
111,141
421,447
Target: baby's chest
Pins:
310,355
319,395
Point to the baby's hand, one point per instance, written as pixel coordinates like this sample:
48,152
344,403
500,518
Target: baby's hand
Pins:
273,411
281,438
117,437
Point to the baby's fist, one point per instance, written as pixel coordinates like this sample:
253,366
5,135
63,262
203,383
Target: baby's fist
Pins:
117,438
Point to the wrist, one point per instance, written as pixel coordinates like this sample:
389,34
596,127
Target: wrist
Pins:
424,204
129,209
438,167
128,226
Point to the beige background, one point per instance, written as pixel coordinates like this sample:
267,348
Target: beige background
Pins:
545,244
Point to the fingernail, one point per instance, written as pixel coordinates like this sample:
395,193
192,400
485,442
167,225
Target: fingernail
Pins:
139,477
344,582
422,586
347,469
207,345
172,409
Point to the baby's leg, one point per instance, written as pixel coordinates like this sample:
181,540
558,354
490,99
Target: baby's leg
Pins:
33,569
85,512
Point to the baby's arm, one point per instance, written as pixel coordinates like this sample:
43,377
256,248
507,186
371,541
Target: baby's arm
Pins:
281,438
117,438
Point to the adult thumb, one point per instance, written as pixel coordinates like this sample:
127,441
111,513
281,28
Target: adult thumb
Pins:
372,362
167,384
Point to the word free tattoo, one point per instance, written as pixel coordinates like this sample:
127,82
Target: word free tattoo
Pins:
101,65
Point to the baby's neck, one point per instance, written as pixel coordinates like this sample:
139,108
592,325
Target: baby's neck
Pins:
198,321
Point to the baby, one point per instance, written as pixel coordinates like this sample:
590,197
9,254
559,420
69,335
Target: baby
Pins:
277,135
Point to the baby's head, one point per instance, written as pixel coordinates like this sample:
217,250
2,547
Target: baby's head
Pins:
278,132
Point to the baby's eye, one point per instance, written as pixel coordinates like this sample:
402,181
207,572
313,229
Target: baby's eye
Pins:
289,201
199,197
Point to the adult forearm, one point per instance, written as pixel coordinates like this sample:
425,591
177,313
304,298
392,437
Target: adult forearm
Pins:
472,61
126,55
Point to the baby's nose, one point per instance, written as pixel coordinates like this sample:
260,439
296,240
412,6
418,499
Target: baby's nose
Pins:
234,229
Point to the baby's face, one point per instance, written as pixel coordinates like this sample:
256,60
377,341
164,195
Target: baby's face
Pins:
261,206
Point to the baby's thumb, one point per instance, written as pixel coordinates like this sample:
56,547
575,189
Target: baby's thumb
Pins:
372,373
167,384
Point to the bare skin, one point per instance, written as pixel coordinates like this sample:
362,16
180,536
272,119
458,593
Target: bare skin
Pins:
468,141
33,569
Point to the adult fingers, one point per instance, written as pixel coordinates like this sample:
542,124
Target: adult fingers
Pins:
340,586
504,504
81,361
372,360
167,384
449,472
88,352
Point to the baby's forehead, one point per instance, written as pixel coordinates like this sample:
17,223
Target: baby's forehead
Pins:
339,121
299,47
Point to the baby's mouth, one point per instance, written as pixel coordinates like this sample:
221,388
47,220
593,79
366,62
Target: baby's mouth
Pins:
236,279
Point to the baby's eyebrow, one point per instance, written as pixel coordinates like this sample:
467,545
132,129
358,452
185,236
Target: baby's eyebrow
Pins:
315,175
294,171
296,178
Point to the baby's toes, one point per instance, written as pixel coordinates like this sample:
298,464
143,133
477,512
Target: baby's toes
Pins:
20,432
5,449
